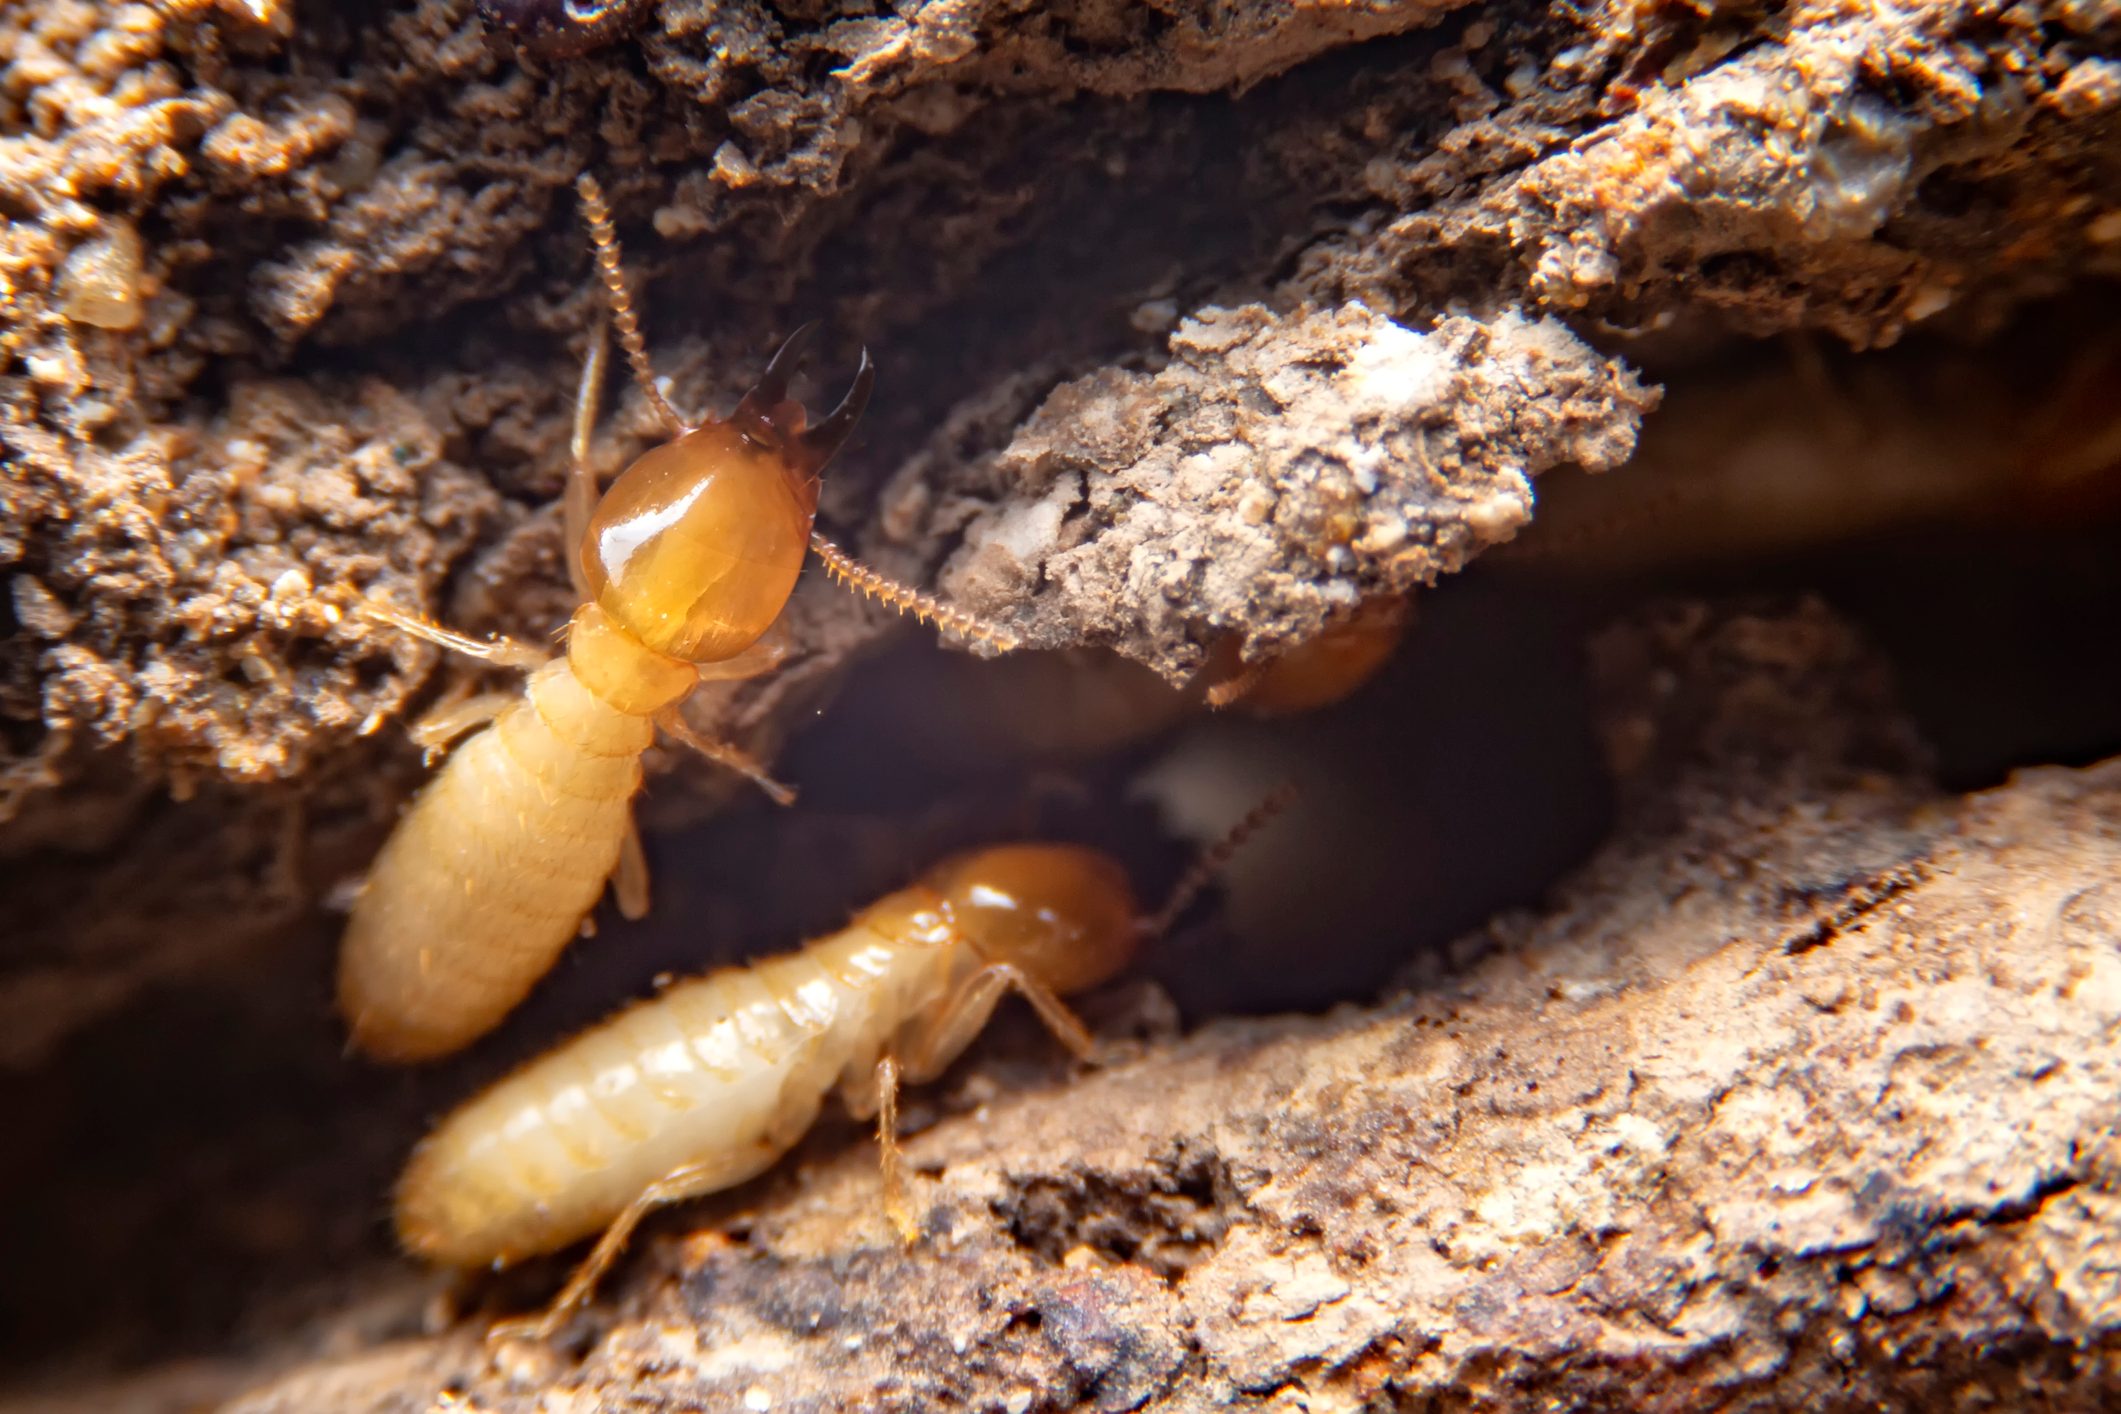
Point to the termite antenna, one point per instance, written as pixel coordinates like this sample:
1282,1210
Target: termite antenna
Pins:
925,608
605,238
1607,526
1234,687
1214,859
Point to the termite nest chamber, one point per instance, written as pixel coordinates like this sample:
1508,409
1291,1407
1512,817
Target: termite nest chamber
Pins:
1447,751
201,1167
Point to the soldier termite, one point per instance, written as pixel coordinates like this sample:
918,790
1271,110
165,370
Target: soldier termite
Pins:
712,1081
682,567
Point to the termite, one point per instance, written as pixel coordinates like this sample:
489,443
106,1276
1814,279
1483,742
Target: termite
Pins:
709,1083
681,568
1322,670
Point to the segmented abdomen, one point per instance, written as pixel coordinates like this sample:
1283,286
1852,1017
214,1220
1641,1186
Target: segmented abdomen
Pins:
724,1072
488,876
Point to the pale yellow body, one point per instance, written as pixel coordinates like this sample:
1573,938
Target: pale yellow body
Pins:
722,1074
488,876
683,566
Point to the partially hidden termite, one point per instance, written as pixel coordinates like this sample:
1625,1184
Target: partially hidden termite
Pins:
710,1082
1322,670
681,568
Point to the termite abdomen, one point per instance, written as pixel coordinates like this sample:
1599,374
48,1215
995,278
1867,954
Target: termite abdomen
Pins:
461,875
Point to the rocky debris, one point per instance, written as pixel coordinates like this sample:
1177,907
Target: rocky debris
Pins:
1274,475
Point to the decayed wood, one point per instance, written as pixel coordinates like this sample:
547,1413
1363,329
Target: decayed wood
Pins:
1193,330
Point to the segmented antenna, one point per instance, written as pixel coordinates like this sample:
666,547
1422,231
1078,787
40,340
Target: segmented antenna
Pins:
605,237
925,608
1606,526
1214,859
1231,688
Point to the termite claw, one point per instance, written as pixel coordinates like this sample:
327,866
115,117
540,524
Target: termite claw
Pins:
766,411
772,387
822,441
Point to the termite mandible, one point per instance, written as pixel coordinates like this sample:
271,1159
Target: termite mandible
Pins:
710,1082
681,568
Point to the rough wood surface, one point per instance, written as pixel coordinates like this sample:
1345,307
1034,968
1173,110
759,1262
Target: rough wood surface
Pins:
1198,324
342,349
1801,1095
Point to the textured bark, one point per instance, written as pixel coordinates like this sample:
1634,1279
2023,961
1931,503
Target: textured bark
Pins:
244,412
1199,325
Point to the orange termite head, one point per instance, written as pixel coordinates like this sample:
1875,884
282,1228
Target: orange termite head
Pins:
1063,913
696,547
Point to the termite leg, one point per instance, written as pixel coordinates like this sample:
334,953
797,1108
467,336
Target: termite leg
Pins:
678,1186
629,882
501,652
880,1098
889,1155
437,728
723,754
759,659
948,1033
973,1002
579,501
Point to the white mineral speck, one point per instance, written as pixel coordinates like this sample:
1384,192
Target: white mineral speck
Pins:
1395,370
